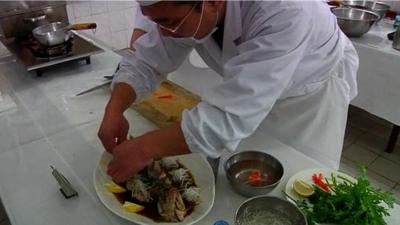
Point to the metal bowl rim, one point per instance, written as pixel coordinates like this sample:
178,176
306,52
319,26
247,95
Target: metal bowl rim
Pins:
231,179
386,6
380,3
34,31
349,8
271,197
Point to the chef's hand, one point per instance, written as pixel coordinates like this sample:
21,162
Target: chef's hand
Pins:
129,158
113,130
114,127
135,154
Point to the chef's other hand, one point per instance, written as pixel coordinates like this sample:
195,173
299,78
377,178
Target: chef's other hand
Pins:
128,158
113,130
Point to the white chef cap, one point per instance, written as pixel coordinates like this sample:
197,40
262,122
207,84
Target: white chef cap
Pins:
147,2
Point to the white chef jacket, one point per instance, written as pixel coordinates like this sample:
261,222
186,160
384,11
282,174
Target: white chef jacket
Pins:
141,21
272,51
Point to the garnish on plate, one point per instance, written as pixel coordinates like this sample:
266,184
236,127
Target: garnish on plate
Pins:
114,188
302,188
319,180
132,207
347,203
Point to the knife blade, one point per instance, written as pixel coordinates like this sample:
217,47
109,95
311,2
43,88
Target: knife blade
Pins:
105,83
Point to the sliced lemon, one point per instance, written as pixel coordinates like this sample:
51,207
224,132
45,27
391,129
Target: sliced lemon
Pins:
114,188
302,188
132,207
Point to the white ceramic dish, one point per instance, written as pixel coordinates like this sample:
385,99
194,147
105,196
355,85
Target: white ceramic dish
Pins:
306,176
197,165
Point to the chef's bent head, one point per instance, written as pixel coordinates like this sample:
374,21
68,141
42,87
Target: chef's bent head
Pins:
184,19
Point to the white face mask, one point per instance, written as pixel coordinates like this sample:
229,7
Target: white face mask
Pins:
204,39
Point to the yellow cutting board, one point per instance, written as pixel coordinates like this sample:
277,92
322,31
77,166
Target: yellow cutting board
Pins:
165,106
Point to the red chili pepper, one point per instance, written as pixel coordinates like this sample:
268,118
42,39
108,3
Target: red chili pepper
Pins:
256,178
166,97
319,180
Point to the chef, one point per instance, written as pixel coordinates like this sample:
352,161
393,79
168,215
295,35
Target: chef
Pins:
285,66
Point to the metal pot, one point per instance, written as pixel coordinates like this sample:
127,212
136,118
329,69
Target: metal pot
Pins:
58,32
355,22
269,208
377,7
35,21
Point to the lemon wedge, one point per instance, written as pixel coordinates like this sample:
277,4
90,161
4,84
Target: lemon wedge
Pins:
302,188
114,188
132,207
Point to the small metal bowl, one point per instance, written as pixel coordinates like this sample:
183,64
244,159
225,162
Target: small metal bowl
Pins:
240,166
355,22
269,210
380,8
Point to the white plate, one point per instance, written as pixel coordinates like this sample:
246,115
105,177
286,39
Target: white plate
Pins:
306,176
197,165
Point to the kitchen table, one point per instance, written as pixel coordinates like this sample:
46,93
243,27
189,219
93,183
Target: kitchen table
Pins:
50,126
378,77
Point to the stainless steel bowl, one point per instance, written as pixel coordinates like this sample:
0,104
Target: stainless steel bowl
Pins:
52,34
380,8
269,210
355,22
240,166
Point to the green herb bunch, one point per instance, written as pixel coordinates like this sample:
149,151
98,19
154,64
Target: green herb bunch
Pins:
348,203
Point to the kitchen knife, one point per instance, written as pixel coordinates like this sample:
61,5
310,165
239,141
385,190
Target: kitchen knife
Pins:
105,83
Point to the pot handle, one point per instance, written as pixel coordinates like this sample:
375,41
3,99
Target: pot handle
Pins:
82,26
35,18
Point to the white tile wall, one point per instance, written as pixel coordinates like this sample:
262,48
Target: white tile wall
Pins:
115,19
81,9
98,7
119,39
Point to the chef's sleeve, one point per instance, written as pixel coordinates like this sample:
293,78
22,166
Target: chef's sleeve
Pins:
155,57
253,81
142,22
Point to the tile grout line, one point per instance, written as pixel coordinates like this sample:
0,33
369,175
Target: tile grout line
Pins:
355,162
381,153
397,163
390,180
394,181
376,158
353,142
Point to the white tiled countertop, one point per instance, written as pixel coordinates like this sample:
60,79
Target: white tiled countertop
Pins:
52,127
377,38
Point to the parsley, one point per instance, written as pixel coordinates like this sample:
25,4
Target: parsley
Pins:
349,203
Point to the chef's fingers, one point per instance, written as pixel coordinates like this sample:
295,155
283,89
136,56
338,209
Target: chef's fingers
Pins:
116,174
109,141
112,168
118,179
122,137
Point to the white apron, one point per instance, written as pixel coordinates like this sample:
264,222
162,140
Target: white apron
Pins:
314,123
